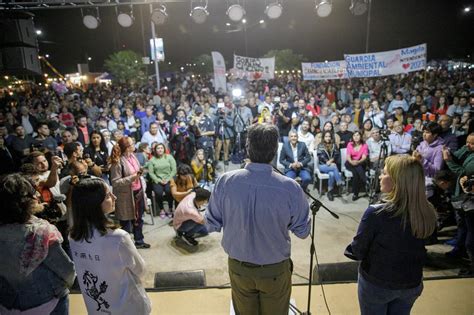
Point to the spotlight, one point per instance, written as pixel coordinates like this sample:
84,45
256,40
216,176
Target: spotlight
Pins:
274,10
39,32
261,21
159,16
199,14
91,22
467,9
236,93
244,21
235,12
125,20
324,8
358,7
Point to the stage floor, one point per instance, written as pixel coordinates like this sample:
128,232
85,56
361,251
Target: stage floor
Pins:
453,296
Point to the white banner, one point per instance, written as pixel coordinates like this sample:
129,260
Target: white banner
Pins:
220,80
157,49
386,63
330,70
254,68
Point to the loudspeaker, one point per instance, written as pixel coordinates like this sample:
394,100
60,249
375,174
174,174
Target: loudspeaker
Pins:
18,32
336,272
180,279
20,60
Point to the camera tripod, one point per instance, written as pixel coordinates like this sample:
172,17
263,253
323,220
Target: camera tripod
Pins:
374,185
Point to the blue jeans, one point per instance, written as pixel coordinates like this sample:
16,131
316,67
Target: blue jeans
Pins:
377,300
334,175
190,227
303,174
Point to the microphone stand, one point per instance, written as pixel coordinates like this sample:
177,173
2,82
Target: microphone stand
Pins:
315,206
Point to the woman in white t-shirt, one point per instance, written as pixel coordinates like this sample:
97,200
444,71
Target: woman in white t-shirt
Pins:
109,268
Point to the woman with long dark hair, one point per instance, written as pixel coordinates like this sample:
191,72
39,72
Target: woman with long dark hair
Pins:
109,267
183,183
390,240
128,186
97,151
357,153
35,272
161,169
329,159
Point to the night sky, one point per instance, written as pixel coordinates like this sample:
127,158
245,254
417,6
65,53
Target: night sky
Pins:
395,24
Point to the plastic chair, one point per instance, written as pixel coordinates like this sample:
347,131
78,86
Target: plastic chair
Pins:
317,173
347,174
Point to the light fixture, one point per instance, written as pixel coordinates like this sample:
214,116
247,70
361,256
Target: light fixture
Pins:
244,21
358,7
324,8
235,12
90,21
39,32
227,24
159,16
125,19
467,9
199,13
261,21
274,10
236,93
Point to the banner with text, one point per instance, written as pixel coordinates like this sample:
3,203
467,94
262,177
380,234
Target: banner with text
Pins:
324,70
220,80
386,63
254,68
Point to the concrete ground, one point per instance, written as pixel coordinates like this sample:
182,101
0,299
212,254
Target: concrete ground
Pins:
332,236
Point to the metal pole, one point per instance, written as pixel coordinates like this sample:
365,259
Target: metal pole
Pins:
367,38
153,35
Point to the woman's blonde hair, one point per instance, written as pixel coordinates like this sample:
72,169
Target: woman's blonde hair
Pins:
408,196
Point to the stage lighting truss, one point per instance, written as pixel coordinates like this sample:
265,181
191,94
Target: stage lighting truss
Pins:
91,21
159,15
359,7
199,13
125,19
274,10
235,12
323,8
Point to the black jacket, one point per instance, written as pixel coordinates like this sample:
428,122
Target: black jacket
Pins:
286,156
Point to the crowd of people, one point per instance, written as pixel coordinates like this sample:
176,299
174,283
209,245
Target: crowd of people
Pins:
168,145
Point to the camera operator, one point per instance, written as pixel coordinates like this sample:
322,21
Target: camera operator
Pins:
461,163
283,119
206,128
242,119
224,132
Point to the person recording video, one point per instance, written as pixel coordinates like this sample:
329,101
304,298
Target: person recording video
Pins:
257,207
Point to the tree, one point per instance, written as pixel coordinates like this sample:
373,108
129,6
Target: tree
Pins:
203,64
285,59
126,67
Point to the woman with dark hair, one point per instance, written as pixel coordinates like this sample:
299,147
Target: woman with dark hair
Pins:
97,151
128,186
183,183
328,126
390,240
161,169
108,265
329,159
367,129
36,272
357,153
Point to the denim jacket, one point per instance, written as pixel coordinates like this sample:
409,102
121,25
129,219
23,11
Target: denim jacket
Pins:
50,279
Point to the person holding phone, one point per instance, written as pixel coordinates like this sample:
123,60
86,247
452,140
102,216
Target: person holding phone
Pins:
129,187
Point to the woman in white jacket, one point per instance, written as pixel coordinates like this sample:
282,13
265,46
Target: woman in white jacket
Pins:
109,267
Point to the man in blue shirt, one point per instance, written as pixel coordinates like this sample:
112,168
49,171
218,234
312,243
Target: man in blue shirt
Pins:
257,207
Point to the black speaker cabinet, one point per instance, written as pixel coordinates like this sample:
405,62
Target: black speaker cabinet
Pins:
20,60
18,32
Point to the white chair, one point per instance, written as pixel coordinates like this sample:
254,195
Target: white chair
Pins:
347,174
279,166
317,173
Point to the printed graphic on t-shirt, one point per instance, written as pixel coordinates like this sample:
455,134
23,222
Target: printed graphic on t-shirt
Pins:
90,281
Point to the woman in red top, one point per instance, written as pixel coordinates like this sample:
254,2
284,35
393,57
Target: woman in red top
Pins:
357,152
442,106
66,118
